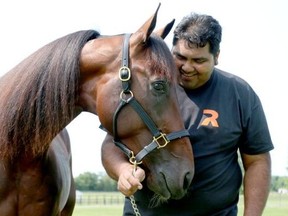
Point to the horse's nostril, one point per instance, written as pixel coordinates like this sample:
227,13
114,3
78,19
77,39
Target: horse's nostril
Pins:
187,180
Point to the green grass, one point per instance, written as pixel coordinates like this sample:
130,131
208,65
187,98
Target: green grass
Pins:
108,204
277,205
98,210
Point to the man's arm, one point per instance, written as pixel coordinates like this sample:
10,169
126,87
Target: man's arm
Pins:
257,180
120,169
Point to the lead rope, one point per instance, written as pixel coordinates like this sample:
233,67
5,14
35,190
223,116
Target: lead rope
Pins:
132,199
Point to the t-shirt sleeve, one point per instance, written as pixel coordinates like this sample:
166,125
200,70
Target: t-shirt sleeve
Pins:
256,136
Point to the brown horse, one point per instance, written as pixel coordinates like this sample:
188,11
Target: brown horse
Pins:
79,72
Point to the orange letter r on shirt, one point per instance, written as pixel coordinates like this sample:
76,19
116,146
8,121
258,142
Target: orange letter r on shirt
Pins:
212,119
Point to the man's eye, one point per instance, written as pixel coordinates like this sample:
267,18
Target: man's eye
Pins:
199,61
180,57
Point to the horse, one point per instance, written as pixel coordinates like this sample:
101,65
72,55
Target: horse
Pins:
127,80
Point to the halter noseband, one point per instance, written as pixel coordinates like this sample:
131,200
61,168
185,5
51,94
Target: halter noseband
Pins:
160,139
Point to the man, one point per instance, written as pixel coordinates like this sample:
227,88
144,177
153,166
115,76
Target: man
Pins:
226,118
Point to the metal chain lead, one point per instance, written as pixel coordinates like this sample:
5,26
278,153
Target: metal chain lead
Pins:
134,206
132,199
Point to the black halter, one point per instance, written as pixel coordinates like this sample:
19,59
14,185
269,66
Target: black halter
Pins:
160,139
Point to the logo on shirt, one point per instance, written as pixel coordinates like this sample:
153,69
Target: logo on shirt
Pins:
209,118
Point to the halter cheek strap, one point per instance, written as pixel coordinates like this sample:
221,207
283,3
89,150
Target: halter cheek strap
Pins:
160,139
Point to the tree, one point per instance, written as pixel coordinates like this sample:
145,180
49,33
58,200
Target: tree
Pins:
86,181
106,184
279,182
92,182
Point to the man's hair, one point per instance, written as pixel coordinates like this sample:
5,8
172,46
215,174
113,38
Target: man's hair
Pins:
199,29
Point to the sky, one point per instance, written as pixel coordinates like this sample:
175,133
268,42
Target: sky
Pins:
254,46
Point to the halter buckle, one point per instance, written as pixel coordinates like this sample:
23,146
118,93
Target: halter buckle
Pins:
161,140
124,74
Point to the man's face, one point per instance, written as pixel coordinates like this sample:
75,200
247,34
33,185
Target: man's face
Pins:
195,64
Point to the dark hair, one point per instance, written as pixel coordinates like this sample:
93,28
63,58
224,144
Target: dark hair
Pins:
199,29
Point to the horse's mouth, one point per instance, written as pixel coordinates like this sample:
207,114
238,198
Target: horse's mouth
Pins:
164,194
157,200
172,194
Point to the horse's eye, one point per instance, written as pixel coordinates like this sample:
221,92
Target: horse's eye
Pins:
160,86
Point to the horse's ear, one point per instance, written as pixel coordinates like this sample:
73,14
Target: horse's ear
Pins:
163,32
144,32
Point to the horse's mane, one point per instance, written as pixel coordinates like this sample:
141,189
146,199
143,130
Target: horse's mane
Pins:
38,96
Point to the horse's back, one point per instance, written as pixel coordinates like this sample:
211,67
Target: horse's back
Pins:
40,187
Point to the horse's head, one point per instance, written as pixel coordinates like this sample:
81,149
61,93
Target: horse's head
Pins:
138,105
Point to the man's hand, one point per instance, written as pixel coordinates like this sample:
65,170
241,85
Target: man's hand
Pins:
129,181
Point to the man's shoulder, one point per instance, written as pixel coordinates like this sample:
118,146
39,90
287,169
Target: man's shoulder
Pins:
231,79
227,75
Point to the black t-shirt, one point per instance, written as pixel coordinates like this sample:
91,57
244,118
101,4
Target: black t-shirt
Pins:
222,116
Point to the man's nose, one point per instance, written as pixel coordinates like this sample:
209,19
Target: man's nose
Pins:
188,67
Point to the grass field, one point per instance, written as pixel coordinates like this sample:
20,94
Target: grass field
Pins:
98,210
277,205
104,206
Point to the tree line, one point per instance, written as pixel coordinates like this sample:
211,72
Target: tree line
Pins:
88,181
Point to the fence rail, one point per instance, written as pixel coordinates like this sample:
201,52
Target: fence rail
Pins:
100,199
